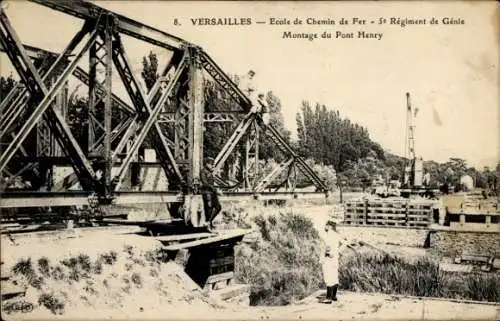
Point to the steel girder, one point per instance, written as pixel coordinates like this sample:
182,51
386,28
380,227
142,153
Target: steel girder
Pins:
210,117
184,97
42,97
86,10
147,114
81,198
135,29
79,73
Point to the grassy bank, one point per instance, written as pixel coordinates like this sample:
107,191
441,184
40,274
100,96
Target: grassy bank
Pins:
282,266
396,275
127,281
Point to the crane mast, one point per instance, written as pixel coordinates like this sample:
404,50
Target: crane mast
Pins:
412,177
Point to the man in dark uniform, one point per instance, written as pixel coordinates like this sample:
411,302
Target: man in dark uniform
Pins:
209,193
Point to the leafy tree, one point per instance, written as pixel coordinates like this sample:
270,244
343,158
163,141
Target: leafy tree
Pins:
6,84
78,119
267,149
332,140
149,71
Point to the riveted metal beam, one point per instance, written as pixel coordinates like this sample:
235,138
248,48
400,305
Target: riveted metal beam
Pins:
44,97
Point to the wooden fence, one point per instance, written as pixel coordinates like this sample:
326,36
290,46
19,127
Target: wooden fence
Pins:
395,213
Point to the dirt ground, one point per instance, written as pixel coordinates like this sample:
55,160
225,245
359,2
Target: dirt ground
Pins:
169,294
352,306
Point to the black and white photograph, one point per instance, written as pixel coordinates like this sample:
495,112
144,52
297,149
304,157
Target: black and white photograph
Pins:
249,160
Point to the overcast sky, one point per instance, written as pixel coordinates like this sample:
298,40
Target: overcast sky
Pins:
451,71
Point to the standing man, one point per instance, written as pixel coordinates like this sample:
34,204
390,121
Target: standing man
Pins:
331,262
247,86
264,109
210,195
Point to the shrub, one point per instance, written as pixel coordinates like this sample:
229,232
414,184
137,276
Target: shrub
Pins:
97,267
44,266
79,267
84,263
282,266
51,302
109,258
129,250
136,279
58,273
483,287
235,218
389,274
25,268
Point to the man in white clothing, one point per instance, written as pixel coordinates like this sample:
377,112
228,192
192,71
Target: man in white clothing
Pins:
247,86
331,262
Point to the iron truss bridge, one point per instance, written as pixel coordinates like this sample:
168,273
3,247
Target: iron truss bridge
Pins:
38,144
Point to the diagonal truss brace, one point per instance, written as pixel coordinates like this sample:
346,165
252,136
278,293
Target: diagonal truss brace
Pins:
151,121
299,161
233,141
224,81
153,97
262,184
87,10
37,88
280,142
14,109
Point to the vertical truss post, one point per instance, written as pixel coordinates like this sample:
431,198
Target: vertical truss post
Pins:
98,92
181,138
108,102
195,122
252,156
92,95
62,105
43,132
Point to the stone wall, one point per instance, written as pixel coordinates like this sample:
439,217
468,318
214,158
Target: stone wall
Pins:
453,243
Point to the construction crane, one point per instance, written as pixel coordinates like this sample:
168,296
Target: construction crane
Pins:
412,177
413,180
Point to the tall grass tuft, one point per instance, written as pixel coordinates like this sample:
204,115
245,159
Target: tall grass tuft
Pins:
283,265
388,274
25,268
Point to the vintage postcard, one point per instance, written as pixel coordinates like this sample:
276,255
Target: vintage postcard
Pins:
237,160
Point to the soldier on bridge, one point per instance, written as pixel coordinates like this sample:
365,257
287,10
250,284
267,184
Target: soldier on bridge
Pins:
211,204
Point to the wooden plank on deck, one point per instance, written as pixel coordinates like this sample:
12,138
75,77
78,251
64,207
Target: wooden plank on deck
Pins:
224,235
